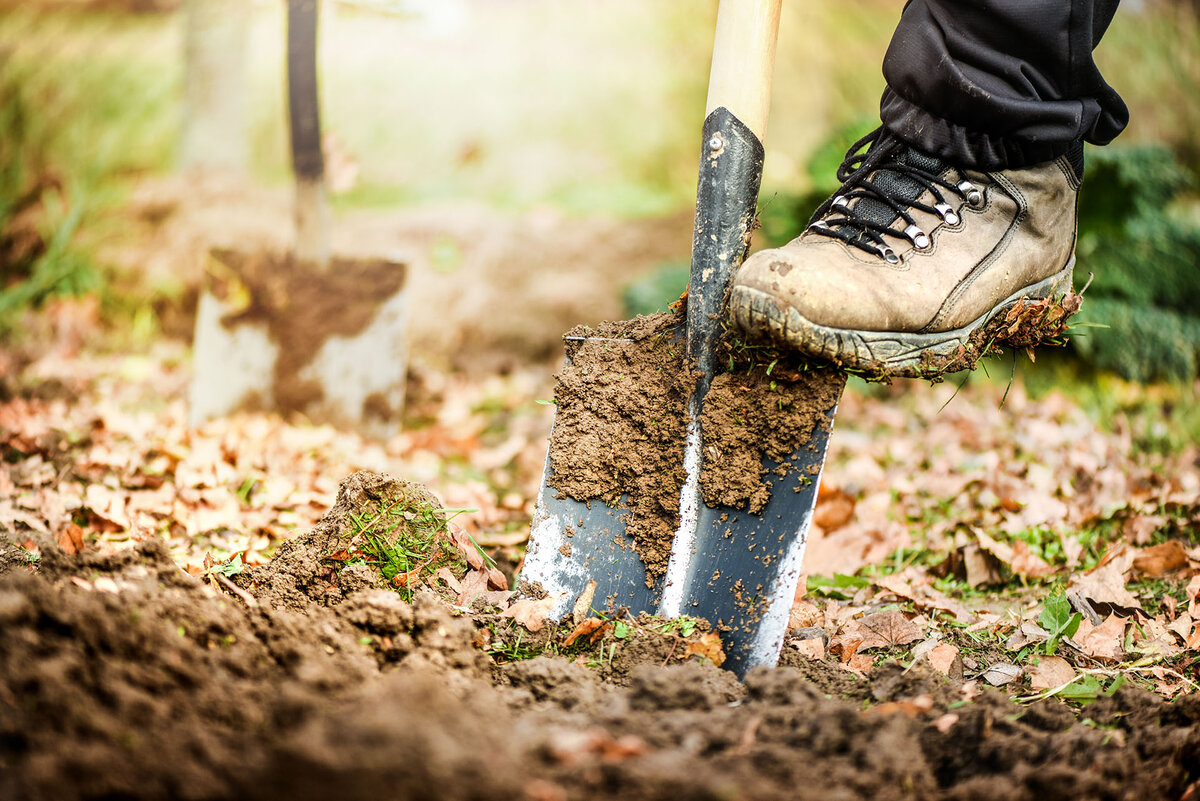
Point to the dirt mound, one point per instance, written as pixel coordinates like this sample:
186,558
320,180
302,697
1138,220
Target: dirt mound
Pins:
123,677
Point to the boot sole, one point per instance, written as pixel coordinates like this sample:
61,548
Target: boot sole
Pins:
876,352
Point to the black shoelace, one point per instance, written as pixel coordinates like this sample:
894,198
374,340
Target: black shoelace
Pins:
886,177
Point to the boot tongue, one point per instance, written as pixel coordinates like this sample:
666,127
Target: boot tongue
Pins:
903,189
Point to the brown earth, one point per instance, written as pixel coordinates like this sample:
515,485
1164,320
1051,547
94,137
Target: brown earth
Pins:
620,426
756,415
123,677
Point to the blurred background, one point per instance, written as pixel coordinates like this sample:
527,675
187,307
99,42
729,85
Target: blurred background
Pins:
533,160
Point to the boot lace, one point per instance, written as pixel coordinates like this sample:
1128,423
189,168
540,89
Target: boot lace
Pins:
886,177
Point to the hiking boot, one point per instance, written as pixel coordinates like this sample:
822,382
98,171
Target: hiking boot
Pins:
912,255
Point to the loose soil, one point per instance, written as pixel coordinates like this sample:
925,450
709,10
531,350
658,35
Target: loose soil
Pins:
304,308
762,414
123,677
621,425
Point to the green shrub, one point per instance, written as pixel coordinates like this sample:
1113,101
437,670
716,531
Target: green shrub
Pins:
1143,258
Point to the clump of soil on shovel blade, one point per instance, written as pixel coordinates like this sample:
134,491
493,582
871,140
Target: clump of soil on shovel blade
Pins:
123,677
753,416
621,424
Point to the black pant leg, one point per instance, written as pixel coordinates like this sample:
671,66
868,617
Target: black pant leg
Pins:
1000,83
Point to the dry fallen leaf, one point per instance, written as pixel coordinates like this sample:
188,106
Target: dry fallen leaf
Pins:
859,664
531,613
982,568
1159,559
1049,673
803,614
1105,586
885,629
593,628
835,508
1025,634
1001,673
71,539
1026,563
707,646
474,584
923,595
810,649
1017,556
944,659
1152,638
1103,642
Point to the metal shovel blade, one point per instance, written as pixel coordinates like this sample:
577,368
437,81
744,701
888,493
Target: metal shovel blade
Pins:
735,568
739,569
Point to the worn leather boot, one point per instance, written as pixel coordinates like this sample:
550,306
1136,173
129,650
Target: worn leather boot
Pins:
910,257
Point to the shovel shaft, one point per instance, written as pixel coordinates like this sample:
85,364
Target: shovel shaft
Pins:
304,115
731,162
744,61
304,110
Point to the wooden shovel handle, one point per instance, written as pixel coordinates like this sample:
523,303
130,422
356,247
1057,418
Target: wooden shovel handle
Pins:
744,61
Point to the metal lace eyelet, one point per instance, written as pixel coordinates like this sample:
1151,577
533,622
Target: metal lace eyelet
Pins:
820,224
917,236
888,254
972,193
948,214
840,200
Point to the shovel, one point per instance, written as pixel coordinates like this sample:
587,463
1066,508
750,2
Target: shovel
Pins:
737,566
303,333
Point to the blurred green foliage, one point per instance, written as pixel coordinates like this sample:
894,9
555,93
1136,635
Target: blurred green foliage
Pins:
37,221
1143,255
655,291
78,122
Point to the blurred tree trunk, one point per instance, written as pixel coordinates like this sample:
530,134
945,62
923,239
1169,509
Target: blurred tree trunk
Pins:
216,43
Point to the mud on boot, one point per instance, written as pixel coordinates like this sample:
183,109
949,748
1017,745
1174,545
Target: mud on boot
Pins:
911,257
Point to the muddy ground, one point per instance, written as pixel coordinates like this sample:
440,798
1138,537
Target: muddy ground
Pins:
123,677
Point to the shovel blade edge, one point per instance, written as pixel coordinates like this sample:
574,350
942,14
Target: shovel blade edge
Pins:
573,543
